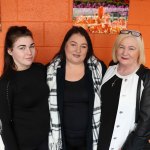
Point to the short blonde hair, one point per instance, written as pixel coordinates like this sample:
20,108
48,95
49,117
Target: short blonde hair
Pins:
140,43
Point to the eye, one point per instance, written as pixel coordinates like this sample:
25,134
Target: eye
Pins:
121,47
32,46
73,44
84,46
132,48
22,47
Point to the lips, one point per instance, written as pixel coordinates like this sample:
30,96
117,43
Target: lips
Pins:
76,55
31,58
124,58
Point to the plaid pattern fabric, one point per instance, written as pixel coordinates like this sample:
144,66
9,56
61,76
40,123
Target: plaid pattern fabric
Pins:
55,139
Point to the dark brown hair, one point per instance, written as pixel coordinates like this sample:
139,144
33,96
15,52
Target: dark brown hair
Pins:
12,35
75,30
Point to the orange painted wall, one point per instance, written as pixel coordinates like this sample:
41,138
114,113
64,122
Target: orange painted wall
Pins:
50,19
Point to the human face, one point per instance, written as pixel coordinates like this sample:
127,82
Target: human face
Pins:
128,52
23,52
76,49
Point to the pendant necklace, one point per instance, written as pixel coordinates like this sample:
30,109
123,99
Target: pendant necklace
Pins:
114,82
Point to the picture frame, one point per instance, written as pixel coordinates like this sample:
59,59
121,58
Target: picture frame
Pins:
101,16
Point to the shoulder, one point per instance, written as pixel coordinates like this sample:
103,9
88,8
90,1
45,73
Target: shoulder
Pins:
111,69
143,72
93,60
102,63
38,69
3,81
54,64
3,87
110,72
97,63
38,66
104,67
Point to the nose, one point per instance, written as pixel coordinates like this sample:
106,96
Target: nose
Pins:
78,49
125,52
29,52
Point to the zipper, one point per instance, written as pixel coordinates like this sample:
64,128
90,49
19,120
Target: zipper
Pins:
7,97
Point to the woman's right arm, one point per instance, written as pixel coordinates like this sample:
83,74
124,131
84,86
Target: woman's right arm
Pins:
7,133
138,138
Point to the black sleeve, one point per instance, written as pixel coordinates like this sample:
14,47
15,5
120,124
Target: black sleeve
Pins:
138,138
7,134
104,67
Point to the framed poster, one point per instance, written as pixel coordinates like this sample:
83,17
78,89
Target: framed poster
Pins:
101,16
0,17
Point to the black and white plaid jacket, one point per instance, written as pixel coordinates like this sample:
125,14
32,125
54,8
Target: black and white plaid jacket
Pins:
55,136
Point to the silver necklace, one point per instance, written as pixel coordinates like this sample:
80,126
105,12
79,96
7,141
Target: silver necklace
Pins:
114,82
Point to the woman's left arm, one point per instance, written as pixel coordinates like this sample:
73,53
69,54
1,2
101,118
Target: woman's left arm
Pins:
138,138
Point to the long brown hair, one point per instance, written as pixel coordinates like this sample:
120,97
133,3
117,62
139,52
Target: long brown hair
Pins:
12,35
76,30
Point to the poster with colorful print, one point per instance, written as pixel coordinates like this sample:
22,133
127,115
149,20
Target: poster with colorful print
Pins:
101,16
0,18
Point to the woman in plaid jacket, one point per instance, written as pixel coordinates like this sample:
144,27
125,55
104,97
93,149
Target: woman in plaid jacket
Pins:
74,78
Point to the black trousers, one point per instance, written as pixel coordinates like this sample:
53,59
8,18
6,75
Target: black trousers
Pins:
147,146
69,147
42,146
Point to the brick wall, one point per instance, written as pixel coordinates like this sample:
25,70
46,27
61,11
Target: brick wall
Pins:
50,19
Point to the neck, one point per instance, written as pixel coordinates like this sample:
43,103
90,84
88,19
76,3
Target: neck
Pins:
127,70
74,66
74,72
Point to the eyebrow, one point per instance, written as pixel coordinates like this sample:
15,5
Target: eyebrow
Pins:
129,46
25,45
77,43
132,47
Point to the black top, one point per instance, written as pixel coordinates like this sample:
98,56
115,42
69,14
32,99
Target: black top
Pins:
28,97
110,92
76,107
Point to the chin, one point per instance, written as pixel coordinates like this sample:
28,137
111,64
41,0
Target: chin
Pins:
29,64
29,61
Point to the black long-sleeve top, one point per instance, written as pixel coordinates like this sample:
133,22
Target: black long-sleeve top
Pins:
24,108
76,112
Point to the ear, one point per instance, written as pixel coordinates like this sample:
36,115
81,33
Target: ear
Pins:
9,51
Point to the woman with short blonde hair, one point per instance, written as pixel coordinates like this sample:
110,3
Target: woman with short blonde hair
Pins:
140,42
125,96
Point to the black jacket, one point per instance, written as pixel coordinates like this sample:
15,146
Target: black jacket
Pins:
138,138
60,92
24,111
